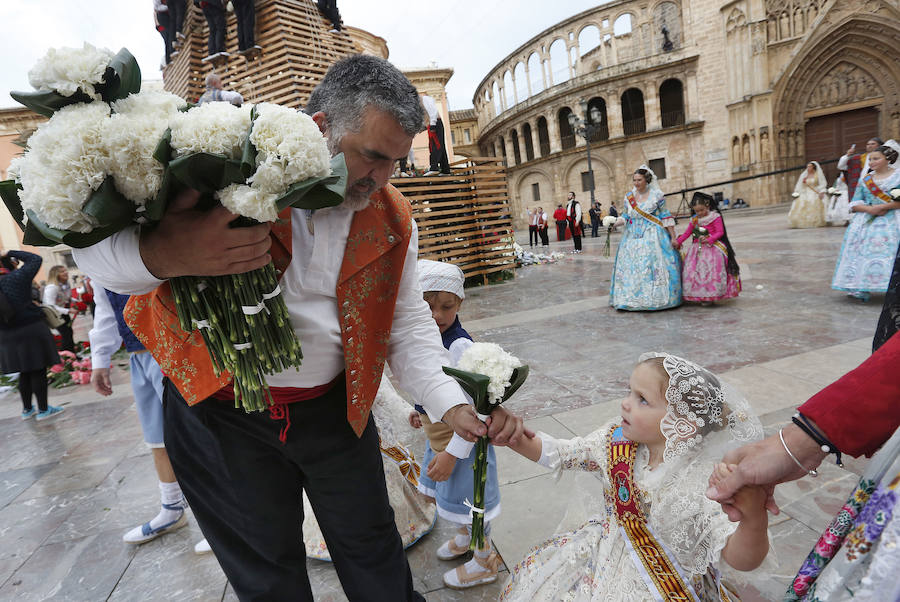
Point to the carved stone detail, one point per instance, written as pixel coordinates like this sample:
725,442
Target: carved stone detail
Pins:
844,84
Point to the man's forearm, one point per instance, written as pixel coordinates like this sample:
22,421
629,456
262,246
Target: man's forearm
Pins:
115,263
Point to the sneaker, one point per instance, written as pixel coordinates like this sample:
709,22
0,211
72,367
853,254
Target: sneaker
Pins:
26,414
486,572
431,172
202,547
145,533
50,412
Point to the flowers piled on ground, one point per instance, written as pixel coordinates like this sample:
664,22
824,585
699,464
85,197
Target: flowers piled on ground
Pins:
112,156
490,376
72,370
526,257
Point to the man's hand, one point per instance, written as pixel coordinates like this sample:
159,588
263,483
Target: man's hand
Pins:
187,242
764,463
441,466
100,380
414,420
464,422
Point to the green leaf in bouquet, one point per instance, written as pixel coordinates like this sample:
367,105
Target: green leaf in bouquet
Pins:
475,385
515,381
47,102
248,152
122,77
109,207
9,191
163,150
207,172
318,193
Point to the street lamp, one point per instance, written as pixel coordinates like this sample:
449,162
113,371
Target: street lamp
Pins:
586,128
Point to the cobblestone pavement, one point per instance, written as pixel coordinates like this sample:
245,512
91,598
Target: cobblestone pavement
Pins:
70,488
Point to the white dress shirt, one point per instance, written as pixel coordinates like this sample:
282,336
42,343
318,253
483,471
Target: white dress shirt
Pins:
430,108
309,286
104,336
577,211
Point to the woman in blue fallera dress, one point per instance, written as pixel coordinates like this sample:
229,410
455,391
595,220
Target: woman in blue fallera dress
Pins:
871,240
647,272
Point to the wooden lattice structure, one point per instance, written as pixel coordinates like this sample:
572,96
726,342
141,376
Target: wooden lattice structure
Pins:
464,218
297,49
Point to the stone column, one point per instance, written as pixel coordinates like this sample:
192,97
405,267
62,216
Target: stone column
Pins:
553,132
535,141
614,115
652,117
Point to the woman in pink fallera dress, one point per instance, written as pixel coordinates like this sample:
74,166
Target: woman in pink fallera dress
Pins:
710,271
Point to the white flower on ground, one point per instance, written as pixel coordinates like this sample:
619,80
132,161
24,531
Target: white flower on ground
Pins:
795,195
249,202
66,70
213,127
491,360
64,162
131,135
290,148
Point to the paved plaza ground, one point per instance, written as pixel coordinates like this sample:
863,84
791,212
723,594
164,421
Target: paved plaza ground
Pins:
70,488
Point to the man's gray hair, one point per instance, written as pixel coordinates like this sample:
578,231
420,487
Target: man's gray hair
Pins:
357,82
212,77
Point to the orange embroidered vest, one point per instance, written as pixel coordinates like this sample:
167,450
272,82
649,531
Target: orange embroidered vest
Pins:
366,293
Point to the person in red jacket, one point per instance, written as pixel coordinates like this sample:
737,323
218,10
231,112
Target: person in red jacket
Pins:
561,222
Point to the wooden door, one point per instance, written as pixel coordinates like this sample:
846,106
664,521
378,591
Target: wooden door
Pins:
828,137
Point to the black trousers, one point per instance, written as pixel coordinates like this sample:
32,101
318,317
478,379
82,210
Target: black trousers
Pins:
532,235
437,149
215,19
68,339
177,10
33,384
245,13
165,22
545,236
561,229
576,234
595,225
244,487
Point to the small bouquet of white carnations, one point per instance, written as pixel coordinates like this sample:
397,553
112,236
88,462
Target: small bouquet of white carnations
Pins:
833,191
895,193
795,195
112,156
490,376
609,222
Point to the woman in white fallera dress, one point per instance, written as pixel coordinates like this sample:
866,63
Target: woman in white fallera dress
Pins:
808,208
838,211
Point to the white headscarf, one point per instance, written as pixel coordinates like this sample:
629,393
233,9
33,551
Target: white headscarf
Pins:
441,276
653,184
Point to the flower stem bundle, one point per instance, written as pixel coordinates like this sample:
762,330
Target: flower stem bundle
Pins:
491,376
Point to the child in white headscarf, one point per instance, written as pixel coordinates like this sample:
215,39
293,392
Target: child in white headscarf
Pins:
448,475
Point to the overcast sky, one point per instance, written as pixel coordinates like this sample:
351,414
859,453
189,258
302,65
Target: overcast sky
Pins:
470,36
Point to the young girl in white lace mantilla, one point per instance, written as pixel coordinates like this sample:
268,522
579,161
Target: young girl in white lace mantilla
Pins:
654,535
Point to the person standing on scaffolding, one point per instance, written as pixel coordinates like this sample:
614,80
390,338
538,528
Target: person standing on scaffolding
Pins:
436,148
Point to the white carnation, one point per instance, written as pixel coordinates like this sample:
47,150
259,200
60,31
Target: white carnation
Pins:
492,361
249,202
213,127
15,165
131,136
609,220
65,161
66,70
290,148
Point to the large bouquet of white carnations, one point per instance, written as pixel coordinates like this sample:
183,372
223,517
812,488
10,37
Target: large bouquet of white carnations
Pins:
112,156
490,376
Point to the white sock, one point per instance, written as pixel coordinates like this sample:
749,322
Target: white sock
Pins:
463,539
169,493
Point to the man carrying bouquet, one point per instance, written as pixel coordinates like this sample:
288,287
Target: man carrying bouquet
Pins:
350,285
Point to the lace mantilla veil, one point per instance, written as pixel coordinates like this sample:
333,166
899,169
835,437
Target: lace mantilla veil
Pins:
653,185
705,419
820,176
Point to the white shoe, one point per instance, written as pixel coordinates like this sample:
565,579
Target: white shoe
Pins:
144,533
202,547
486,570
431,172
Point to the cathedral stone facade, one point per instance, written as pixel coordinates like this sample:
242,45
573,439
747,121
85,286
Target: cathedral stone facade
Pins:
703,91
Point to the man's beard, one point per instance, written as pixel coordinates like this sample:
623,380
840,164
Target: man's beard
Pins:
353,199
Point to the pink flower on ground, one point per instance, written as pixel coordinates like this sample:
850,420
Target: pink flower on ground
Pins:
57,368
68,354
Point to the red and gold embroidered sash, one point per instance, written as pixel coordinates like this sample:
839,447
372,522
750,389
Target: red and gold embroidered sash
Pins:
877,192
658,568
634,205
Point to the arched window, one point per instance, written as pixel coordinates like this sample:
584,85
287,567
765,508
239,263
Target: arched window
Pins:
495,94
521,81
566,134
559,62
622,25
529,145
671,103
509,90
536,73
514,136
502,146
597,117
588,40
543,136
633,121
